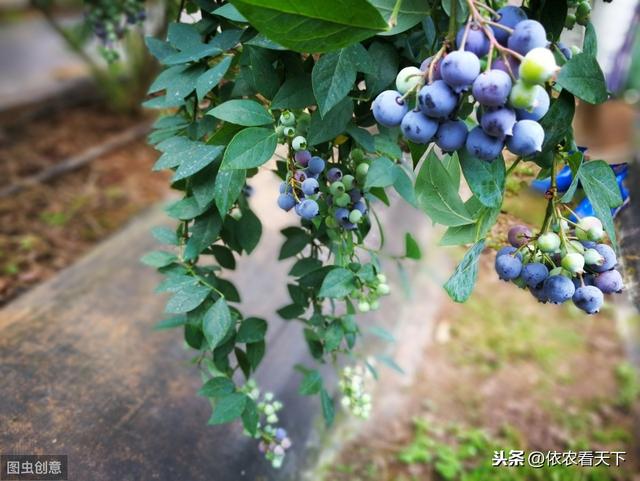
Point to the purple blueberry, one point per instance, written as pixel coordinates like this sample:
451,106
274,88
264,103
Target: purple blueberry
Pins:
355,195
508,267
527,138
424,66
509,16
361,206
437,100
559,289
498,122
508,250
417,127
477,41
334,174
527,35
303,157
459,69
492,88
589,299
519,235
610,259
316,165
483,146
451,135
389,108
534,274
609,282
513,64
300,176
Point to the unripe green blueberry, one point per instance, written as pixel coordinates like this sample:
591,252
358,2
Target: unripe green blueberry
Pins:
357,155
573,262
289,132
348,181
408,78
269,410
558,271
570,21
593,258
337,188
383,289
331,222
364,306
538,66
355,216
287,118
549,242
589,228
361,170
575,50
523,95
575,246
382,279
375,305
342,200
280,131
520,282
299,143
583,12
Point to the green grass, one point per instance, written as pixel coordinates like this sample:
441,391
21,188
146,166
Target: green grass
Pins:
628,385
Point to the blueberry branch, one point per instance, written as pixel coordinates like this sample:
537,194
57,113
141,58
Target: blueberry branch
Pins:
483,22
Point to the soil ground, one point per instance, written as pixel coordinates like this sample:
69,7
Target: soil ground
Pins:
46,227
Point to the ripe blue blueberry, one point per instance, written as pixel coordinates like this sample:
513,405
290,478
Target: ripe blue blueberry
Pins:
540,293
284,187
510,67
417,127
540,107
527,138
609,282
508,267
534,274
526,36
342,214
509,16
459,69
589,299
498,122
549,242
477,41
355,194
424,66
437,100
610,259
302,157
451,135
492,88
508,250
308,209
361,206
519,235
334,174
316,165
482,145
286,202
310,187
559,289
389,108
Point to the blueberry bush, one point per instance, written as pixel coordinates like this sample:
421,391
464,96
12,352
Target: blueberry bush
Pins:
357,100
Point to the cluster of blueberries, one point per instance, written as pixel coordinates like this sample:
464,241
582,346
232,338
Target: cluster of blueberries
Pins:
557,267
580,14
369,293
109,21
354,397
274,441
510,92
313,186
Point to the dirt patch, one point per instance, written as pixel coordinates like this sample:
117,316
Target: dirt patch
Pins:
503,366
46,227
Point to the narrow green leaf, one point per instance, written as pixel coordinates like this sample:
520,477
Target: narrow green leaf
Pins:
216,323
411,247
158,259
338,283
461,283
217,387
250,416
251,147
242,112
227,188
311,383
208,80
187,299
328,410
228,408
251,330
485,179
249,231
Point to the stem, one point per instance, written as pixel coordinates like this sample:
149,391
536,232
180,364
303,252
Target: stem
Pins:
487,8
488,32
452,21
434,61
513,166
466,34
393,19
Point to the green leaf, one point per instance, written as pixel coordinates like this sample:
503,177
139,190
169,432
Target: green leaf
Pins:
295,93
553,17
471,233
485,179
451,162
391,363
208,80
257,70
158,259
242,112
404,186
251,147
590,42
165,235
437,195
250,416
311,383
304,266
227,188
575,162
249,231
189,156
171,323
411,13
333,336
557,122
583,77
333,123
460,284
204,232
291,311
229,12
462,10
387,66
216,323
255,353
334,74
328,411
159,48
382,173
411,247
252,329
362,137
313,25
600,186
338,283
381,333
217,387
185,209
187,299
228,408
293,245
